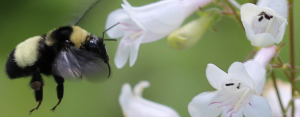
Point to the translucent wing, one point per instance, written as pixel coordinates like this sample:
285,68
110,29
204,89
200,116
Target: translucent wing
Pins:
73,63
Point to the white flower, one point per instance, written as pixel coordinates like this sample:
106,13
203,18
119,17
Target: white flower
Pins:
284,89
146,24
265,22
238,92
133,105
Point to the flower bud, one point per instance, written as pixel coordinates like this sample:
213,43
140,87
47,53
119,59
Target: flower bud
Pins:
186,36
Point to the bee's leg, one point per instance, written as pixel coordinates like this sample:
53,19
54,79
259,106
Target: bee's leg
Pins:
37,84
59,89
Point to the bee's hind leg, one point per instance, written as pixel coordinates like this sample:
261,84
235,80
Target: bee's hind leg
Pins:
37,84
59,89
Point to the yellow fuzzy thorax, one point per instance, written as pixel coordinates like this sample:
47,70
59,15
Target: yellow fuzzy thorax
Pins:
78,36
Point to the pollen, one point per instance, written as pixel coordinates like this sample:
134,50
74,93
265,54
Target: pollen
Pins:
36,85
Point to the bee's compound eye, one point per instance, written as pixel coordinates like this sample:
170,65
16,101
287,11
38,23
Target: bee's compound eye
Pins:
36,85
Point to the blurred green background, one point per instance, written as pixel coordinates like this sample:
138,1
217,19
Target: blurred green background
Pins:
175,76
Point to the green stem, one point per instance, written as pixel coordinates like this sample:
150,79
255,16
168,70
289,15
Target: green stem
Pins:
280,63
277,92
235,14
292,51
287,75
287,108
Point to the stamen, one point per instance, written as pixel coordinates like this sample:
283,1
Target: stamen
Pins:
261,18
242,99
238,87
268,16
229,84
262,13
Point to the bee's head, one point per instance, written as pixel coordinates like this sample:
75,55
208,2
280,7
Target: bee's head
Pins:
96,45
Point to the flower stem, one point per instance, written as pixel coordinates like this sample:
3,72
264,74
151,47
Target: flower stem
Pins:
292,51
293,86
235,3
234,11
287,108
277,92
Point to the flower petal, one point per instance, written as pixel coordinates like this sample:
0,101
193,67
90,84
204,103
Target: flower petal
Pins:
151,36
138,88
113,18
238,71
281,32
125,97
248,11
140,107
258,107
228,114
122,53
134,50
126,3
136,106
260,40
200,106
216,76
129,10
279,6
258,74
157,18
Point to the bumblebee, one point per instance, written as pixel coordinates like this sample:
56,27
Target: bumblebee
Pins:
68,52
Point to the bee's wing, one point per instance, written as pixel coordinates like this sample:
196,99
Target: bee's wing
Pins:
73,63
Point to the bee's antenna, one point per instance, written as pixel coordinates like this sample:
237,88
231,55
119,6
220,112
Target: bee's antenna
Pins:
103,33
109,29
85,12
110,39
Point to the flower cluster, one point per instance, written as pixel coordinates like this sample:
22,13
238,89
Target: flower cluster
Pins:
147,24
239,91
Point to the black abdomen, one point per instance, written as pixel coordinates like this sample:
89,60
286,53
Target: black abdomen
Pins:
14,71
30,56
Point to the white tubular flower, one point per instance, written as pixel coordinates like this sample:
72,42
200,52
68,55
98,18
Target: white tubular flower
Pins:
265,22
264,55
285,94
146,24
236,93
133,105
